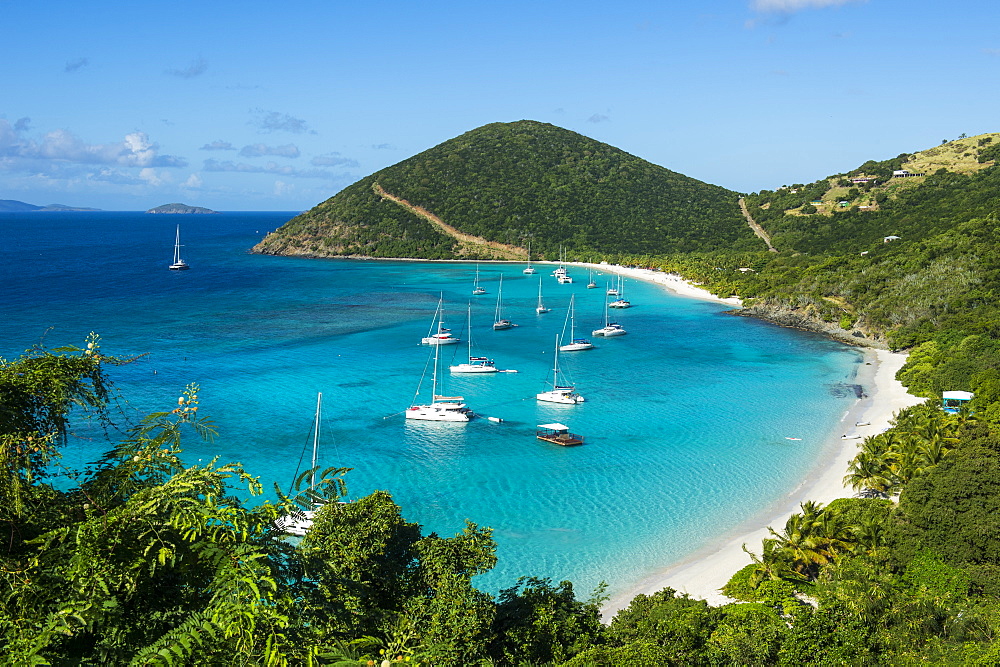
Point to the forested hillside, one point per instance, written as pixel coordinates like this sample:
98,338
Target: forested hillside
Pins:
516,183
139,560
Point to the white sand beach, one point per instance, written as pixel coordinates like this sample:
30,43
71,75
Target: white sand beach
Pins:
705,572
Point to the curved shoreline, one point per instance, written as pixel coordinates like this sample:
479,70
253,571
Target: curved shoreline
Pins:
701,574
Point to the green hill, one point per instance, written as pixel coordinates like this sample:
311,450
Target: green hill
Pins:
488,192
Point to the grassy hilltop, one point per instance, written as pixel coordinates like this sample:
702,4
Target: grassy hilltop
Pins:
488,192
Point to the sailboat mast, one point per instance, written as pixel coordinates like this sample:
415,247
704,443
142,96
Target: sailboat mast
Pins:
319,410
555,366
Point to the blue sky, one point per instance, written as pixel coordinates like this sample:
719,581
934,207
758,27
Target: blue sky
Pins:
277,106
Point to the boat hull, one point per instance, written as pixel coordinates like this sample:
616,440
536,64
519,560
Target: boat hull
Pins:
564,397
436,412
439,341
576,347
472,368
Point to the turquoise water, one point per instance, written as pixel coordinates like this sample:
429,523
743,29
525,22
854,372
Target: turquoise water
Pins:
686,417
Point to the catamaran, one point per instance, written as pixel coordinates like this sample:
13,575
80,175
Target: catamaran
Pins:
575,344
441,408
443,335
621,301
560,393
300,526
179,264
610,328
476,364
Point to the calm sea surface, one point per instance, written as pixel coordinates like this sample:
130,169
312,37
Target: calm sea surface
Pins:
686,420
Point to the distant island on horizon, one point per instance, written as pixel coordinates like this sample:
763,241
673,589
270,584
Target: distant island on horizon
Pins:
14,206
180,208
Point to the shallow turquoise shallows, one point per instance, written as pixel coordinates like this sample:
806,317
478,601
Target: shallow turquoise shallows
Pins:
686,418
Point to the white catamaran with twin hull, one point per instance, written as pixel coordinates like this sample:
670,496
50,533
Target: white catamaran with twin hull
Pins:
476,364
441,408
442,336
560,393
610,328
179,264
621,301
501,322
575,344
300,526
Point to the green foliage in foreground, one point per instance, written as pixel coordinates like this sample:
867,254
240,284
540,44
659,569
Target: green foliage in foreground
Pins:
144,561
518,182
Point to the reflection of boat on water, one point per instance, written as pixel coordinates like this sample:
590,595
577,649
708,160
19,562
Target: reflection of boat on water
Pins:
558,434
178,264
560,393
475,364
442,336
441,408
575,344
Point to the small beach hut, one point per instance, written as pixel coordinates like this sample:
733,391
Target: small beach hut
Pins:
952,401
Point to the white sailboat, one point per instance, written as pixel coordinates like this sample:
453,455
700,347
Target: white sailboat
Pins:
500,321
610,328
442,336
300,526
441,408
476,364
540,308
621,301
528,270
476,287
560,393
575,344
179,264
590,283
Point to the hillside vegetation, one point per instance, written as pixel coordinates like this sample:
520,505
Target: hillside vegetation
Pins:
515,183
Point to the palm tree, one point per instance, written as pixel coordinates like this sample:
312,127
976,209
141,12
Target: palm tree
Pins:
869,475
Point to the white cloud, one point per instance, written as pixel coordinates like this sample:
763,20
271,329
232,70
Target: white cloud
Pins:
269,168
62,146
260,150
193,182
598,118
218,145
150,176
791,6
274,121
333,160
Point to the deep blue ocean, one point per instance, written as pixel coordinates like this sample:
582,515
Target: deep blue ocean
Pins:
685,421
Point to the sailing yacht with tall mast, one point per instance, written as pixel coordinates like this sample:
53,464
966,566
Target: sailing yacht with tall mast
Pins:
610,328
478,289
441,408
501,322
575,344
560,393
621,301
300,526
178,264
442,336
475,364
528,270
540,308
